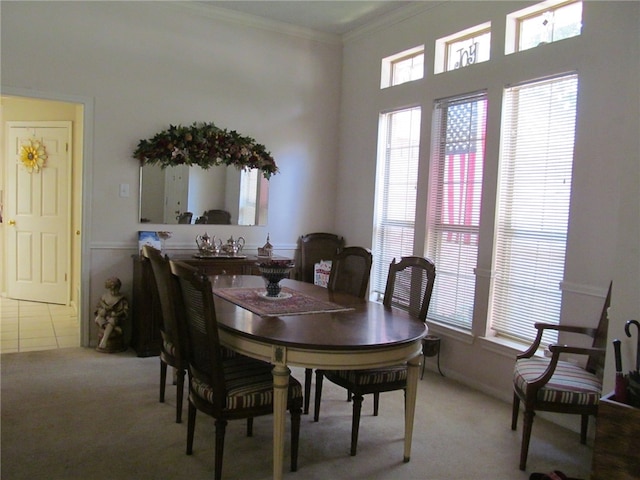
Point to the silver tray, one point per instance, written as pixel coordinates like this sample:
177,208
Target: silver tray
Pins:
221,256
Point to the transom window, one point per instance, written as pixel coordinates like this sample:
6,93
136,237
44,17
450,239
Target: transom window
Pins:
402,67
462,49
543,23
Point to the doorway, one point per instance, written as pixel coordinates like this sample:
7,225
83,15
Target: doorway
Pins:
20,107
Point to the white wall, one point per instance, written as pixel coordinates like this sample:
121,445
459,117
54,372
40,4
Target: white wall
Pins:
145,65
603,232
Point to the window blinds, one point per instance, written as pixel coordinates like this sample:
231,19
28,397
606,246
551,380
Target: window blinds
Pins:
533,205
455,190
397,176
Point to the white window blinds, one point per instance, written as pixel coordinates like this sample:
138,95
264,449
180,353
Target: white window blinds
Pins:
396,187
533,205
455,190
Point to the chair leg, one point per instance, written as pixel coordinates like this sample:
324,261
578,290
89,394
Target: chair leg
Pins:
376,403
221,426
584,424
163,379
308,372
295,437
250,427
191,427
179,394
515,411
316,407
526,436
355,422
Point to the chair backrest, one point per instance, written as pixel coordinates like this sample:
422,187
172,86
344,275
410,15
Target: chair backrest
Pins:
410,285
350,270
219,217
203,353
185,217
595,364
315,247
172,329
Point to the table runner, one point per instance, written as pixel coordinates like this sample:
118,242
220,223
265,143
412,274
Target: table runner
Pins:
297,304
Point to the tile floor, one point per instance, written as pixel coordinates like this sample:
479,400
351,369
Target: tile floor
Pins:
27,326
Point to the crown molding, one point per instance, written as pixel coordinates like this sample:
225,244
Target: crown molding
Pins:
392,18
251,21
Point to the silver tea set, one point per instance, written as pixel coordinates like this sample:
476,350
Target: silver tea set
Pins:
212,246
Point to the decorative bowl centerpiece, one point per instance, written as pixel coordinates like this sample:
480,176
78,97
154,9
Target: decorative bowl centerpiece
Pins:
273,271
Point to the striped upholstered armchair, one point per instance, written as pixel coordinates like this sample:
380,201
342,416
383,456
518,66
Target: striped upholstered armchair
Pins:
554,385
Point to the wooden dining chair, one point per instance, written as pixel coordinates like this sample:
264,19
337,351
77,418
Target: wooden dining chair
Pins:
226,388
554,385
409,287
350,272
315,247
173,348
220,217
184,217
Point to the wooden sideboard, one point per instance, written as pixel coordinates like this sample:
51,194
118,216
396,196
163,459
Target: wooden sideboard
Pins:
145,309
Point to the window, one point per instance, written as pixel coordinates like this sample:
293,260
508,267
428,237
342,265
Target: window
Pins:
533,205
396,187
462,49
248,204
402,67
459,127
543,23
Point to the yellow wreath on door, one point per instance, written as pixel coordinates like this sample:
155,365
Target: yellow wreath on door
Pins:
33,155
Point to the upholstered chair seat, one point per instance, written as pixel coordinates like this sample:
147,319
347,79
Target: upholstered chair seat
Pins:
249,385
570,383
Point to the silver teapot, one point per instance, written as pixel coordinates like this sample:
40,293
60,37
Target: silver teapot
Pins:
208,245
233,247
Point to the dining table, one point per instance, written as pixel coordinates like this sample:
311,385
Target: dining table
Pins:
312,327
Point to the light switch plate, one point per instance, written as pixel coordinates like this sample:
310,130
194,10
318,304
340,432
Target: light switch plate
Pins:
124,189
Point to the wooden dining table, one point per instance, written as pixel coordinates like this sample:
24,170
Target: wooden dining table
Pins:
341,332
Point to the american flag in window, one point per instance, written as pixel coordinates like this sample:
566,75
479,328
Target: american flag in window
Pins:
455,192
462,174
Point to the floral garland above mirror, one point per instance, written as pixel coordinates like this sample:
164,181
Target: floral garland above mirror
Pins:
205,145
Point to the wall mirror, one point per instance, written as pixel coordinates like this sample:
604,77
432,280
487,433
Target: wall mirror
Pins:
169,195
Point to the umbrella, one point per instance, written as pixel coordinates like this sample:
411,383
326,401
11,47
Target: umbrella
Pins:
634,376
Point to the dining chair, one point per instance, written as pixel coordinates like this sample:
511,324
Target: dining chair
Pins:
172,348
184,217
350,272
226,388
220,217
562,386
409,287
315,247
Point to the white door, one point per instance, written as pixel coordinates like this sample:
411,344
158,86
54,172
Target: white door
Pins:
37,243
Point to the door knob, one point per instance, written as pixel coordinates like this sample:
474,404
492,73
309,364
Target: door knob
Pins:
12,222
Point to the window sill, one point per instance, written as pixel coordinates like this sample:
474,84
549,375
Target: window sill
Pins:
505,347
448,331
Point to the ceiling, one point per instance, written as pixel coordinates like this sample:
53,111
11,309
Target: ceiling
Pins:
326,16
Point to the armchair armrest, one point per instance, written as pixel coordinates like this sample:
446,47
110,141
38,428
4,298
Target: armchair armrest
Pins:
556,350
541,327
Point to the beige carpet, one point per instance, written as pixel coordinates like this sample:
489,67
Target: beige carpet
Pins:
78,414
